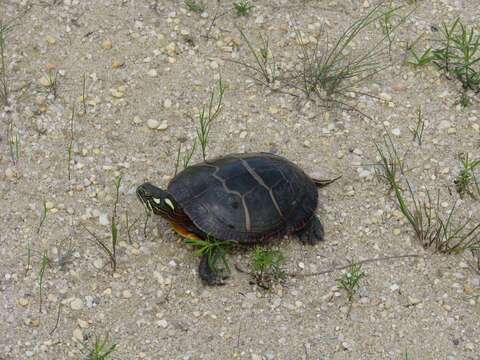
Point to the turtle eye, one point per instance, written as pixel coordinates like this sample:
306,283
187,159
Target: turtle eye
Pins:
169,203
157,201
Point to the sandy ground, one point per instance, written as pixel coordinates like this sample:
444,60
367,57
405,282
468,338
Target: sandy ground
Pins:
152,63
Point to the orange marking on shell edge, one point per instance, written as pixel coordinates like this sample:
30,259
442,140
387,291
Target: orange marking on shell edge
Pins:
184,232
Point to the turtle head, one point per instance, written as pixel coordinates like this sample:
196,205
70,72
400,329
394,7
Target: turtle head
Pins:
157,200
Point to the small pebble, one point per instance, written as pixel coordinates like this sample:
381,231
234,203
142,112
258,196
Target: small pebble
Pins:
152,123
116,64
116,93
10,173
78,334
394,287
50,40
163,125
107,44
152,73
45,81
23,301
126,294
76,304
98,263
103,219
163,323
82,323
49,205
167,103
396,132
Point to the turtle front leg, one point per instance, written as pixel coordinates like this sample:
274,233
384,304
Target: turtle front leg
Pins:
312,233
209,275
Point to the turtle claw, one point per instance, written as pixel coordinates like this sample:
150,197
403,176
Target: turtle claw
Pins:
208,275
312,233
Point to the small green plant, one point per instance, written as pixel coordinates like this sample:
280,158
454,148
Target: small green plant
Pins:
70,143
434,230
466,176
51,81
266,266
206,117
129,226
350,280
13,142
111,251
101,349
242,7
457,54
186,157
215,250
4,29
43,217
391,164
332,73
148,215
421,60
264,69
195,6
66,251
43,266
388,27
419,128
84,93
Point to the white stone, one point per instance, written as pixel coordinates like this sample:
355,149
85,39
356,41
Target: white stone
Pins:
396,131
76,304
78,334
152,123
103,219
152,73
163,323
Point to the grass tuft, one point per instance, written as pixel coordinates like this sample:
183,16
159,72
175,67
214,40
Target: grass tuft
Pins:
43,266
195,6
457,54
419,128
205,119
70,144
326,72
51,80
267,266
215,249
433,229
464,179
13,142
242,7
101,349
263,70
4,91
111,251
350,280
391,164
84,93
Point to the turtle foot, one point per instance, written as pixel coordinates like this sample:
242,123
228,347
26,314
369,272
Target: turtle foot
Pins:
208,275
312,233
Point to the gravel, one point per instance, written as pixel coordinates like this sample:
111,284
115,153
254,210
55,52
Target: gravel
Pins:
149,68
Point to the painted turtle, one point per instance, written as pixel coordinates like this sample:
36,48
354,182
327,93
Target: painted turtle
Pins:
248,198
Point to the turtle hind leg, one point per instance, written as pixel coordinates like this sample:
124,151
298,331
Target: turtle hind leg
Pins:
312,233
209,275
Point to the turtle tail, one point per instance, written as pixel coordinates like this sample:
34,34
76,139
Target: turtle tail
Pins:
324,182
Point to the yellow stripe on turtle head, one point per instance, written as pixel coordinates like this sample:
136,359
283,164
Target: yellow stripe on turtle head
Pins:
169,203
